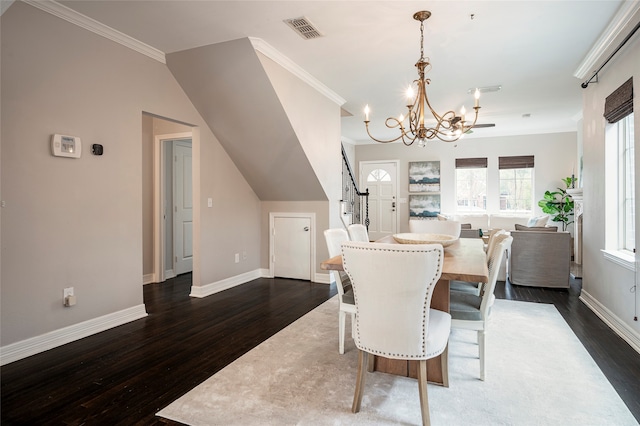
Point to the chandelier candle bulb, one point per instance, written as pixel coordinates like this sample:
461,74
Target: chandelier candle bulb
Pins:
366,113
476,95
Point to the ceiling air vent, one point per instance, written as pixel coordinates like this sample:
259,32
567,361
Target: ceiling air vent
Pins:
303,27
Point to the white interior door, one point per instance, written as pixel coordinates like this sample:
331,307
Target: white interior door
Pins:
291,247
381,178
183,208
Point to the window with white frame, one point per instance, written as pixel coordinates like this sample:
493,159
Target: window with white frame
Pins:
516,183
471,184
620,171
626,173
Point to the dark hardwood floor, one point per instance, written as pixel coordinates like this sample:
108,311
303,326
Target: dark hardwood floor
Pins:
126,374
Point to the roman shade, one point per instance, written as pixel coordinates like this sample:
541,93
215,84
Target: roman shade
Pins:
619,104
516,162
471,163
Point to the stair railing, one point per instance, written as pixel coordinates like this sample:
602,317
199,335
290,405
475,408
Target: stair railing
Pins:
355,203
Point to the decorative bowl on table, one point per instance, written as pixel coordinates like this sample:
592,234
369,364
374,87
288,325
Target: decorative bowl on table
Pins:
411,238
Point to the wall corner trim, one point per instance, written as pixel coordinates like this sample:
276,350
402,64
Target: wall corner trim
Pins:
612,320
273,54
76,18
53,339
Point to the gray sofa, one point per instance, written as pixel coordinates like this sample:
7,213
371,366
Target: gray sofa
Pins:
540,259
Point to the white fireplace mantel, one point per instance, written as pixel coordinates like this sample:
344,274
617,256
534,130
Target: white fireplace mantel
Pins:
578,209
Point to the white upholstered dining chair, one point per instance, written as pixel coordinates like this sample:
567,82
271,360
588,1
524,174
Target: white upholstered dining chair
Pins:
475,288
470,311
393,285
447,227
334,238
358,232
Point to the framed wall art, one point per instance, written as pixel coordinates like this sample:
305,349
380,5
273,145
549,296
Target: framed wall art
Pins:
424,176
424,205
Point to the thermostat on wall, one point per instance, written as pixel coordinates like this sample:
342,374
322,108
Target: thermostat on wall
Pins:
66,146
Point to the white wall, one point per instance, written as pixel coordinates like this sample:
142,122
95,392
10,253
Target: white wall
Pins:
555,156
607,285
78,222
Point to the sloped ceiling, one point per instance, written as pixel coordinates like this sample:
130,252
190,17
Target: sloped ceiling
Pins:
229,87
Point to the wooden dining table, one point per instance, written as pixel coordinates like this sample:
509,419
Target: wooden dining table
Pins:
464,260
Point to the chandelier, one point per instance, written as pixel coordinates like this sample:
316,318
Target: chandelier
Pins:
448,127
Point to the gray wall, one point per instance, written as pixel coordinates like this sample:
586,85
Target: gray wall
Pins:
608,283
555,156
79,222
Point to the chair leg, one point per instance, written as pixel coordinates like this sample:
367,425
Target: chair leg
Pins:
444,363
341,327
482,352
422,391
362,371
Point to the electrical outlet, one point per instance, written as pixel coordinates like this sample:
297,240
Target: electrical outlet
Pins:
68,298
237,257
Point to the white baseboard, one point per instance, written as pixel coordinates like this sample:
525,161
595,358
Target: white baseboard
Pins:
53,339
265,273
148,279
169,274
227,283
216,287
614,322
322,278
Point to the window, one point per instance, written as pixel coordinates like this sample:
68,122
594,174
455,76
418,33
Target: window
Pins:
516,183
620,176
627,184
379,175
471,184
621,188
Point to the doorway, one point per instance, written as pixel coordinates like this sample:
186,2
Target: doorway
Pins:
173,239
381,179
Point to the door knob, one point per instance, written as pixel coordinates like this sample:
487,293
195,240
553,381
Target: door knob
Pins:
306,228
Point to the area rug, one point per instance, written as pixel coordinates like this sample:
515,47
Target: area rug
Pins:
538,373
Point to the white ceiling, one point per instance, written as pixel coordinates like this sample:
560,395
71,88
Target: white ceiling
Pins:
369,48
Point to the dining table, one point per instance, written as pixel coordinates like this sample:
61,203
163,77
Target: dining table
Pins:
464,260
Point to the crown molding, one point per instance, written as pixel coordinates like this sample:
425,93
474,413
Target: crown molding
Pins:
626,17
70,15
271,52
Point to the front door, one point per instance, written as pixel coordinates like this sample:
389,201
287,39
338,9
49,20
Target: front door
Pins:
381,178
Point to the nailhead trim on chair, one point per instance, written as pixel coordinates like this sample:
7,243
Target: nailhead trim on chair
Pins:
424,309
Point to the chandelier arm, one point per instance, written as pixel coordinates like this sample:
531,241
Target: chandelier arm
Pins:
380,140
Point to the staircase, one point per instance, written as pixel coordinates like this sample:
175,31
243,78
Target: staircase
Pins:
354,203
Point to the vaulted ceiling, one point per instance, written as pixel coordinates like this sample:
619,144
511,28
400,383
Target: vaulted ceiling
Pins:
538,51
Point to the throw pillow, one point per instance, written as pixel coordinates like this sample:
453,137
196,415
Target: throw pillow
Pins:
536,228
465,226
538,221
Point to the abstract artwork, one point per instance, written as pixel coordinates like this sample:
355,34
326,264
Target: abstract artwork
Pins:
424,176
424,205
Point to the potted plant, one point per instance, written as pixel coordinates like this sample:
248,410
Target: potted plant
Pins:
559,204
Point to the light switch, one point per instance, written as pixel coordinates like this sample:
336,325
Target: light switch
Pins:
210,202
